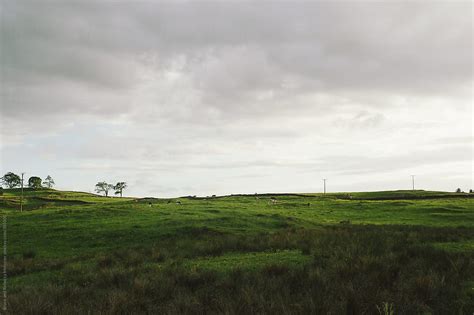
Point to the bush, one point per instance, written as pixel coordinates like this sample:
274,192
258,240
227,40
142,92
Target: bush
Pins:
29,254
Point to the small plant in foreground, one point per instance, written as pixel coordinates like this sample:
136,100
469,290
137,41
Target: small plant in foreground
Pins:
386,309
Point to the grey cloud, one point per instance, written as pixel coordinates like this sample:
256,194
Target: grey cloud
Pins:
455,140
53,40
235,48
172,167
362,119
214,86
353,165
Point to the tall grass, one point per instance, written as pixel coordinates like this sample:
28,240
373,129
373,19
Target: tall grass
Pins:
351,270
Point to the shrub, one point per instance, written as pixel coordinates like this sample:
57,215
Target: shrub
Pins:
29,254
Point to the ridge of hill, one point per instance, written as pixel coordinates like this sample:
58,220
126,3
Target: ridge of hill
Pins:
40,198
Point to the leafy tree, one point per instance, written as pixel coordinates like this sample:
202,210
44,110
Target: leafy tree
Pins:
458,190
470,191
48,182
103,187
11,180
34,182
1,191
119,187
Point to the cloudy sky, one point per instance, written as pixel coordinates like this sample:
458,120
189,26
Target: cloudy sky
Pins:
205,98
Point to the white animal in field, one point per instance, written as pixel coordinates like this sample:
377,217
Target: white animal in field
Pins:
178,202
273,201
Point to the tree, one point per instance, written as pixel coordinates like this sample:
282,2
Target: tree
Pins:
458,190
103,187
119,187
1,191
11,180
470,191
34,182
48,182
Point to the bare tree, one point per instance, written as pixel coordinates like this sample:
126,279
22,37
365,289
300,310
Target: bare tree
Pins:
48,182
119,187
103,187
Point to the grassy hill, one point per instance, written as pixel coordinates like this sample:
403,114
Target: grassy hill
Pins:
74,252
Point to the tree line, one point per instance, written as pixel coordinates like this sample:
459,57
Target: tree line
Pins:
12,180
104,187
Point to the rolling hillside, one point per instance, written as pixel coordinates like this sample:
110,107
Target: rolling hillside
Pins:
74,252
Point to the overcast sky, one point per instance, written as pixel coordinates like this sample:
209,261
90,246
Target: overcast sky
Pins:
201,98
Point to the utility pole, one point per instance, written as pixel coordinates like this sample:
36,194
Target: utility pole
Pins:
413,181
324,180
21,197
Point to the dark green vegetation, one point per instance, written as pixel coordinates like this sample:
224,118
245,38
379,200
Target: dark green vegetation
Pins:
407,252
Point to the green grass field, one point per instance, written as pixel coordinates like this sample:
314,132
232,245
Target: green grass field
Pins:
410,252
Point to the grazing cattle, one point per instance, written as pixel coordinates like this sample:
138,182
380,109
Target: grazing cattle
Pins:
273,200
149,204
178,202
